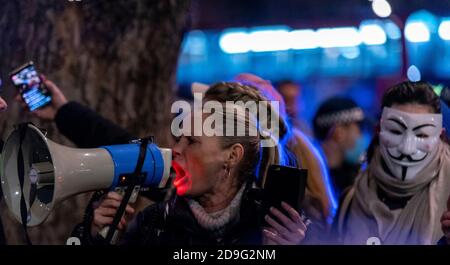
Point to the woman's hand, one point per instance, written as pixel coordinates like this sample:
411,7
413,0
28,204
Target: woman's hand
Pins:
105,212
445,222
48,112
284,230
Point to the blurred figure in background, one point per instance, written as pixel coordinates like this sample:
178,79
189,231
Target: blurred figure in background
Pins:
291,93
319,203
337,127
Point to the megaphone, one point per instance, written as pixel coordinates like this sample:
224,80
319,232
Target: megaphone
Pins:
43,173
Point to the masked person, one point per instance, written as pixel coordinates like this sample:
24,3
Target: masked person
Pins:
400,197
337,128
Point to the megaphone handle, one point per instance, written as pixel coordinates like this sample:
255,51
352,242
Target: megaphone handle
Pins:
132,188
104,234
117,233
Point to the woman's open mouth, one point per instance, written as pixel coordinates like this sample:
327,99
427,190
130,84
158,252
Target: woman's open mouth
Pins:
182,178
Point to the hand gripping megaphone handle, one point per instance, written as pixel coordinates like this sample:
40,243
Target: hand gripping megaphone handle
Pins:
121,191
109,232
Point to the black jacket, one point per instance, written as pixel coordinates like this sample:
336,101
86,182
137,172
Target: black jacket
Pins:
87,129
172,223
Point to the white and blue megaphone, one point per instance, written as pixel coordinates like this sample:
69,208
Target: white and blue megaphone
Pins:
38,173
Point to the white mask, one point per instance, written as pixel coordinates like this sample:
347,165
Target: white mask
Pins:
408,142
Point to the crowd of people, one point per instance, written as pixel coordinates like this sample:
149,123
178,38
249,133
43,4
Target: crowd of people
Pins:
397,190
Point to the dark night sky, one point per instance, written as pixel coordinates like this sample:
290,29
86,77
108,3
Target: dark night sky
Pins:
210,14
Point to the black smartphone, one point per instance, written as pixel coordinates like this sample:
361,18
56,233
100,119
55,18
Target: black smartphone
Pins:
33,91
286,184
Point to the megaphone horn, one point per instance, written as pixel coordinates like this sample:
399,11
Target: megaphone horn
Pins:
51,172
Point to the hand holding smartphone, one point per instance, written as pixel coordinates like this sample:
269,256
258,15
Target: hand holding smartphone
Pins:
284,184
33,91
285,223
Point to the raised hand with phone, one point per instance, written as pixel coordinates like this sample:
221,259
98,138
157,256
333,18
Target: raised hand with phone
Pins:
37,94
84,127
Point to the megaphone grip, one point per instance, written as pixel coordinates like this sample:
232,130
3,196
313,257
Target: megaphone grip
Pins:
105,230
128,192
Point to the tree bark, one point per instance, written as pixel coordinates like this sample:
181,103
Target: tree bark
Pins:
118,57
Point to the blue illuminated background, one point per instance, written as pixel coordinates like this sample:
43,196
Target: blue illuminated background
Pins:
358,61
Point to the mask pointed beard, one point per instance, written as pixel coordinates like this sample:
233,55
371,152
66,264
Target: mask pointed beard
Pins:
408,142
404,171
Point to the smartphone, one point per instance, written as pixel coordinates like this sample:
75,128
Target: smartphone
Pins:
286,184
33,91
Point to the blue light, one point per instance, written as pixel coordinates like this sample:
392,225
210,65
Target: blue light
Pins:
350,52
417,32
413,74
444,29
393,31
372,34
281,38
420,26
195,43
234,41
303,39
269,40
338,37
332,53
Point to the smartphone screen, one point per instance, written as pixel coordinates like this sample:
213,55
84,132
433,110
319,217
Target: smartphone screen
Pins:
30,86
284,184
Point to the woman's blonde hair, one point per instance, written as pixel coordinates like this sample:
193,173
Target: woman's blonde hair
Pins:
322,205
254,152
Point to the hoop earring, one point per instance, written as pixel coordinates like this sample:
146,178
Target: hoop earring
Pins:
227,173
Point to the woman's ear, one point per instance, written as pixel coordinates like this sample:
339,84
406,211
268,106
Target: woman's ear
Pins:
235,155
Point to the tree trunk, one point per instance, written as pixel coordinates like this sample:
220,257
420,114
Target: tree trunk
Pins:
118,57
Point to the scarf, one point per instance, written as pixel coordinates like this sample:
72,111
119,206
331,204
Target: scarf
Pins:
418,223
218,222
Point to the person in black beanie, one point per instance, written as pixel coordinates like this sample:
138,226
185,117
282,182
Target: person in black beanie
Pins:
337,128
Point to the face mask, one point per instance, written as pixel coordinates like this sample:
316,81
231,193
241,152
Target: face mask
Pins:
356,154
408,142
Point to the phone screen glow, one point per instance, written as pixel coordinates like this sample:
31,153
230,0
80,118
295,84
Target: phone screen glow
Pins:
28,81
